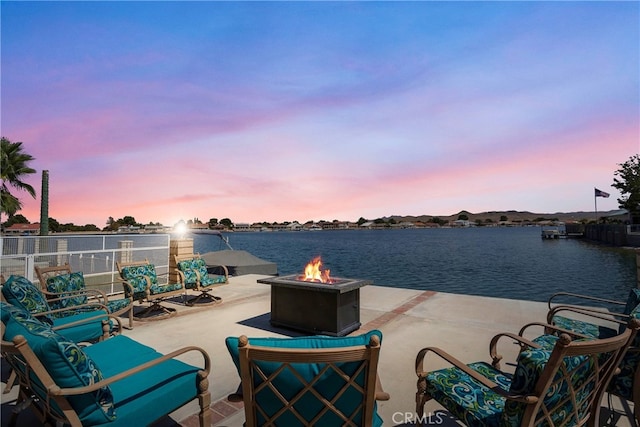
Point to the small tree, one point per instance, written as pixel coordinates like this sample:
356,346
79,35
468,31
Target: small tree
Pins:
627,181
14,167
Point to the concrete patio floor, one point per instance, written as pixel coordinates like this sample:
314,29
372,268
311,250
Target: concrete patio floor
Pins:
463,325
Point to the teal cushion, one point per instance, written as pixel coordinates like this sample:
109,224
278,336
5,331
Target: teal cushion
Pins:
286,382
19,291
147,395
65,283
88,331
66,363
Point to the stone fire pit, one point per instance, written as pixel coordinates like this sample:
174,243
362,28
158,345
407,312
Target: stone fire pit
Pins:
316,308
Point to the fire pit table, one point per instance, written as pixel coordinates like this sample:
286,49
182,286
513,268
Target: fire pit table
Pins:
317,308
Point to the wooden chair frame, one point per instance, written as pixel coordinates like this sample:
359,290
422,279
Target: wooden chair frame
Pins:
204,290
44,273
154,300
536,410
332,357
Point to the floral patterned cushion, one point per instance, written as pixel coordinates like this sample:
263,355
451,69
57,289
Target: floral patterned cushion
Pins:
466,398
531,364
137,277
584,328
118,304
65,283
633,301
65,361
20,292
190,275
622,384
195,269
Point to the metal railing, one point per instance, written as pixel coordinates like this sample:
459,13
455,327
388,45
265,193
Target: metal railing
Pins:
94,255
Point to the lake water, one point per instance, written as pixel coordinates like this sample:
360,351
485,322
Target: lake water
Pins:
489,261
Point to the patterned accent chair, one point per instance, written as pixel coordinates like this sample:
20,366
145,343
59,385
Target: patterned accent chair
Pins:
194,275
598,321
65,289
306,381
87,323
558,387
117,382
141,283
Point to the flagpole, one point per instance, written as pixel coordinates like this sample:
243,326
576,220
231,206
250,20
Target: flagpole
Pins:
595,202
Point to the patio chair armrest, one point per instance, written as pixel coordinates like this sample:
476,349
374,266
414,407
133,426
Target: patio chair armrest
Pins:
518,338
420,372
137,369
549,329
88,320
584,297
90,293
609,316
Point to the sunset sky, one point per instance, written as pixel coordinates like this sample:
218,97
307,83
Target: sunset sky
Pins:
283,111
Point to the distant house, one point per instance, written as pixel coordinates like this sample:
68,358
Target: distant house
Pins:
23,229
124,229
241,226
198,227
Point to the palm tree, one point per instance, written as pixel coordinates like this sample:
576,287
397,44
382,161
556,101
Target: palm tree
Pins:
13,168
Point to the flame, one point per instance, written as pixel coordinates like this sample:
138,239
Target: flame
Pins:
313,272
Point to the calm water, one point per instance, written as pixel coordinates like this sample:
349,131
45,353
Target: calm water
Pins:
500,262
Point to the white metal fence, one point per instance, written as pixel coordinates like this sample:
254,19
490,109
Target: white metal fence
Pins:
95,255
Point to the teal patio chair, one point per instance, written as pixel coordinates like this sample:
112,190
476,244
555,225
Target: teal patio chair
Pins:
141,283
306,381
598,321
59,281
193,273
81,323
558,387
116,382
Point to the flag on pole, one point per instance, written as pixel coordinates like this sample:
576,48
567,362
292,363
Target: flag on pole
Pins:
600,193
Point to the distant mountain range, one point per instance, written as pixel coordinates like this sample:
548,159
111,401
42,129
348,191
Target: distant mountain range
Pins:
515,216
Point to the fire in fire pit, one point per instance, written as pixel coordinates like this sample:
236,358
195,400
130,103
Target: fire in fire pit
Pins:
313,272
